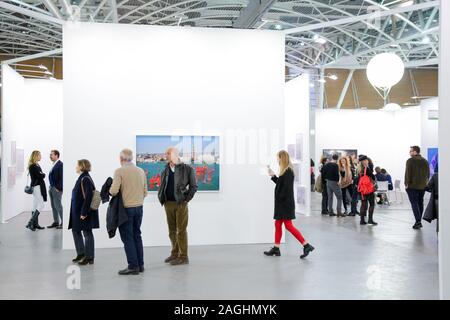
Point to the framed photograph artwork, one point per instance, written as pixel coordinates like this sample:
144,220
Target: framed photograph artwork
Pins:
202,153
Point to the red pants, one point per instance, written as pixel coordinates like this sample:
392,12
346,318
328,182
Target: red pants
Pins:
290,227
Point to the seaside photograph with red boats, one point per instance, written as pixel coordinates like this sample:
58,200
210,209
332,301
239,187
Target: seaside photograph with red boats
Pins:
202,153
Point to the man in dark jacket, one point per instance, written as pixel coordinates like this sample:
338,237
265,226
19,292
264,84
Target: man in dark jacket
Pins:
417,173
178,187
56,189
330,173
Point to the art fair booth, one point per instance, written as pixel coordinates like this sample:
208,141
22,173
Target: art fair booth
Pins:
209,92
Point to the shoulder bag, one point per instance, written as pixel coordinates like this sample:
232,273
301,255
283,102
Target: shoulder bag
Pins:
28,188
96,197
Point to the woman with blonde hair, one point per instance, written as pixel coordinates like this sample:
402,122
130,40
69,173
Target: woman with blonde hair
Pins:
39,190
285,205
346,181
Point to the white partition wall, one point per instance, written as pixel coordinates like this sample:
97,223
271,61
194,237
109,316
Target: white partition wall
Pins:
383,136
32,119
123,80
297,134
444,152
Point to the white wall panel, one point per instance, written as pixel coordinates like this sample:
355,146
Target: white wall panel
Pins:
31,116
123,80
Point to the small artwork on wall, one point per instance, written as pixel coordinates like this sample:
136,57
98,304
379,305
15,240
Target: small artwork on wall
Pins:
301,195
299,147
291,151
11,176
202,153
328,153
13,152
296,172
20,166
433,154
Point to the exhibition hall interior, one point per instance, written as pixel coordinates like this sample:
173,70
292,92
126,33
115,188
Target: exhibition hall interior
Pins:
224,149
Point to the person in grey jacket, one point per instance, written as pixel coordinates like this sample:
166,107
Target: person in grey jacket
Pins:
178,187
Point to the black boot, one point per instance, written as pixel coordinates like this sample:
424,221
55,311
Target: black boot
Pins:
363,220
30,224
85,261
275,251
36,220
306,250
78,258
371,219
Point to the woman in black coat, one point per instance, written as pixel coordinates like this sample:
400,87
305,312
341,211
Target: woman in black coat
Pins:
39,190
367,201
285,205
82,218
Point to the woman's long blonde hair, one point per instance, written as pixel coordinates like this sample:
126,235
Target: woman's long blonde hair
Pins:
284,161
345,168
33,158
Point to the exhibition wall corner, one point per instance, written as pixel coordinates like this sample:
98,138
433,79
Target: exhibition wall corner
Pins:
31,120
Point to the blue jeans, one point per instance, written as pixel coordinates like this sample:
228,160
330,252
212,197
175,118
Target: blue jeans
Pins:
130,233
84,243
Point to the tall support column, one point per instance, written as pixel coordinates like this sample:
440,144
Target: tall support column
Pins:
322,89
444,153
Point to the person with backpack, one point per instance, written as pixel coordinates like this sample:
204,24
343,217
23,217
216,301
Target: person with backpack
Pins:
366,188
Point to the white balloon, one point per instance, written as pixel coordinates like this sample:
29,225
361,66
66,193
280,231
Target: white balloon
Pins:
385,70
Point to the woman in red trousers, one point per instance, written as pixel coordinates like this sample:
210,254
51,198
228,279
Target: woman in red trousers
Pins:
285,205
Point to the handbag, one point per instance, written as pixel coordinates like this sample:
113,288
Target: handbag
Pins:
318,185
28,188
96,197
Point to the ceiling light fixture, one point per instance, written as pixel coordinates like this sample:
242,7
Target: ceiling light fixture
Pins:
426,40
333,77
406,3
319,40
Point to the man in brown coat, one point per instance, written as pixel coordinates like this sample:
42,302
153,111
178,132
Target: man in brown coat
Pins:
417,174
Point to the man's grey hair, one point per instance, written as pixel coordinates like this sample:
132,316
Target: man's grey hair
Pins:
126,155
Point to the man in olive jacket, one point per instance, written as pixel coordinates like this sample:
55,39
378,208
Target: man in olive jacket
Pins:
178,187
417,174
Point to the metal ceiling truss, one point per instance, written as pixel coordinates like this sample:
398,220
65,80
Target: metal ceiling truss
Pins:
319,33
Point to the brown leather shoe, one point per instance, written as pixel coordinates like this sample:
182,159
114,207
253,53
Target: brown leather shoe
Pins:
179,261
171,258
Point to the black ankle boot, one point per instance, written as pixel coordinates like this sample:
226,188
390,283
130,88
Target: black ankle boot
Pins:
78,258
275,251
306,250
85,261
36,220
30,225
371,220
363,220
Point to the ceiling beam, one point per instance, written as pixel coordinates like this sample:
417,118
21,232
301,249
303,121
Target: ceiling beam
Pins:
367,17
252,13
31,13
53,9
34,56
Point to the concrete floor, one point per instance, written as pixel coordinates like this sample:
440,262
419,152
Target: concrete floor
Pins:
389,261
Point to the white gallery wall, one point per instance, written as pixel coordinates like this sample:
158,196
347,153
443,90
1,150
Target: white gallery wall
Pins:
124,80
32,118
429,126
383,136
297,133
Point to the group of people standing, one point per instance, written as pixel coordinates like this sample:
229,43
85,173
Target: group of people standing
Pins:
126,192
39,190
352,179
340,177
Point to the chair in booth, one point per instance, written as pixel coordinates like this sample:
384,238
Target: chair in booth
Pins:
383,189
397,189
